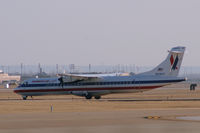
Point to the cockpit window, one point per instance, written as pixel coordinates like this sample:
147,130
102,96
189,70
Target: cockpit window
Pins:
23,84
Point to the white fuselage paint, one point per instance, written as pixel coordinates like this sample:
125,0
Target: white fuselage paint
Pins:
107,85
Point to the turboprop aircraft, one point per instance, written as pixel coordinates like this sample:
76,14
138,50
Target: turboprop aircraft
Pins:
95,86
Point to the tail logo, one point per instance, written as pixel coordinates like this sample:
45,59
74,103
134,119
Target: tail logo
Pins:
174,62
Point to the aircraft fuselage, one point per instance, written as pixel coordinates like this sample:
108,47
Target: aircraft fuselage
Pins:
106,85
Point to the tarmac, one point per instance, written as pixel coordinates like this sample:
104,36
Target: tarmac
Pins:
153,111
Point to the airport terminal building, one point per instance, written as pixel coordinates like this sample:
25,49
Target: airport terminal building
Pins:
4,78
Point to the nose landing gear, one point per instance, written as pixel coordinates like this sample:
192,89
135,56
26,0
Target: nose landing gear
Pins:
24,97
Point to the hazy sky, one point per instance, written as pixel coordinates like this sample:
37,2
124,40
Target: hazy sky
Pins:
98,32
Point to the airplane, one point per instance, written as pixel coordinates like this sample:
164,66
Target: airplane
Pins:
90,86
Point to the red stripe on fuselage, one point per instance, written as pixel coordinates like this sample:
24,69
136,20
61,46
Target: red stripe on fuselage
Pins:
86,89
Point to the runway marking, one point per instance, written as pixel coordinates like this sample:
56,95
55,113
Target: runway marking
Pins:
154,100
103,99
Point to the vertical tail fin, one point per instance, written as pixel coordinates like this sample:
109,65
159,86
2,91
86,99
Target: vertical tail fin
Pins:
171,65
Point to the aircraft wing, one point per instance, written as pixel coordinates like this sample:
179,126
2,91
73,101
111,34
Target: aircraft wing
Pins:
76,78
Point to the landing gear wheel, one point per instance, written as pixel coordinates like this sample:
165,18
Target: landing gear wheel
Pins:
97,97
24,97
88,97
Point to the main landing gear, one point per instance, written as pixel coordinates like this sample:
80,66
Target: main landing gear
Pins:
97,97
90,97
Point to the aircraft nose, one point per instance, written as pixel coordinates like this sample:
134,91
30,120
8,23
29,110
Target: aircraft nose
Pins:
15,90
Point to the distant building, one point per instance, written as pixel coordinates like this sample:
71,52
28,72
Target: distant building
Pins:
4,77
